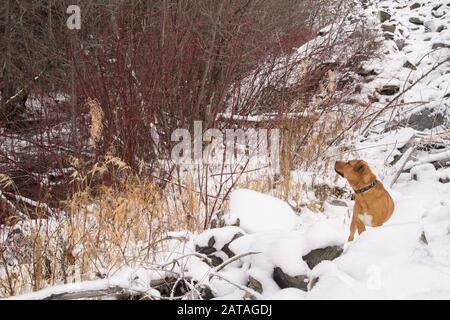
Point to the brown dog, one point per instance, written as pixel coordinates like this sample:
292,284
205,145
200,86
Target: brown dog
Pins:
373,204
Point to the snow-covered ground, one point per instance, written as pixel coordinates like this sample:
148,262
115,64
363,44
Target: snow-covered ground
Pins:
408,257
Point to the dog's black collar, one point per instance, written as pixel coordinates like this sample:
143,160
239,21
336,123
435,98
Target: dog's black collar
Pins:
367,188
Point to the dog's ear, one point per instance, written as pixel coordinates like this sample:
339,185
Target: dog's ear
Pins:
359,166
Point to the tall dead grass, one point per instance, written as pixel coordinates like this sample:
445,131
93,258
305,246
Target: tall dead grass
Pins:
100,231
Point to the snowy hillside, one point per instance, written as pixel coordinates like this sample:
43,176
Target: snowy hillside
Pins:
269,250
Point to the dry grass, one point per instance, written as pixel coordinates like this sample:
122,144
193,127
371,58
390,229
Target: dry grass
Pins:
96,125
99,232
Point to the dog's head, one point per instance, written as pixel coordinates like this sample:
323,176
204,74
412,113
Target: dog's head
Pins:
357,172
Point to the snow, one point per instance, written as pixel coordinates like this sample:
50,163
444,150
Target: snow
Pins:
259,213
222,236
133,280
288,294
223,288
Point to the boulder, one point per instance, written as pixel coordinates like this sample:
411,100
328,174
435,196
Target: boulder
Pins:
416,21
226,247
284,280
338,203
433,26
444,180
438,14
366,72
215,243
415,5
438,45
365,4
316,256
424,172
388,36
260,212
409,65
388,27
388,90
215,260
425,119
400,43
436,7
384,16
255,284
441,28
423,238
207,250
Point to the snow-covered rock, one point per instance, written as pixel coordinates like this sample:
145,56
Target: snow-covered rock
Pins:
215,243
257,212
424,172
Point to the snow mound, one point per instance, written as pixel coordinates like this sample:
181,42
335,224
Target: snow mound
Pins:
424,172
259,212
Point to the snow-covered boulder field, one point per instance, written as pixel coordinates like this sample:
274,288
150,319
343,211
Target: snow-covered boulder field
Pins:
306,255
283,246
408,257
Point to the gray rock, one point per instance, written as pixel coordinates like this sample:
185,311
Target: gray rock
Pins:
283,280
441,28
338,203
215,260
439,45
226,248
433,26
438,14
400,43
388,27
366,72
384,16
425,119
416,21
209,249
415,6
255,284
316,256
423,238
444,180
364,3
409,65
388,36
206,293
388,90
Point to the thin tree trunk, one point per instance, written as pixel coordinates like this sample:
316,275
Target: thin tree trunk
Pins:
7,71
74,99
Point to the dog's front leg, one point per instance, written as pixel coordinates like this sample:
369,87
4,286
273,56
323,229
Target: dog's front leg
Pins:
361,227
353,226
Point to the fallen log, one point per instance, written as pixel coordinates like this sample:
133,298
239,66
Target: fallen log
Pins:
441,159
88,290
402,163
